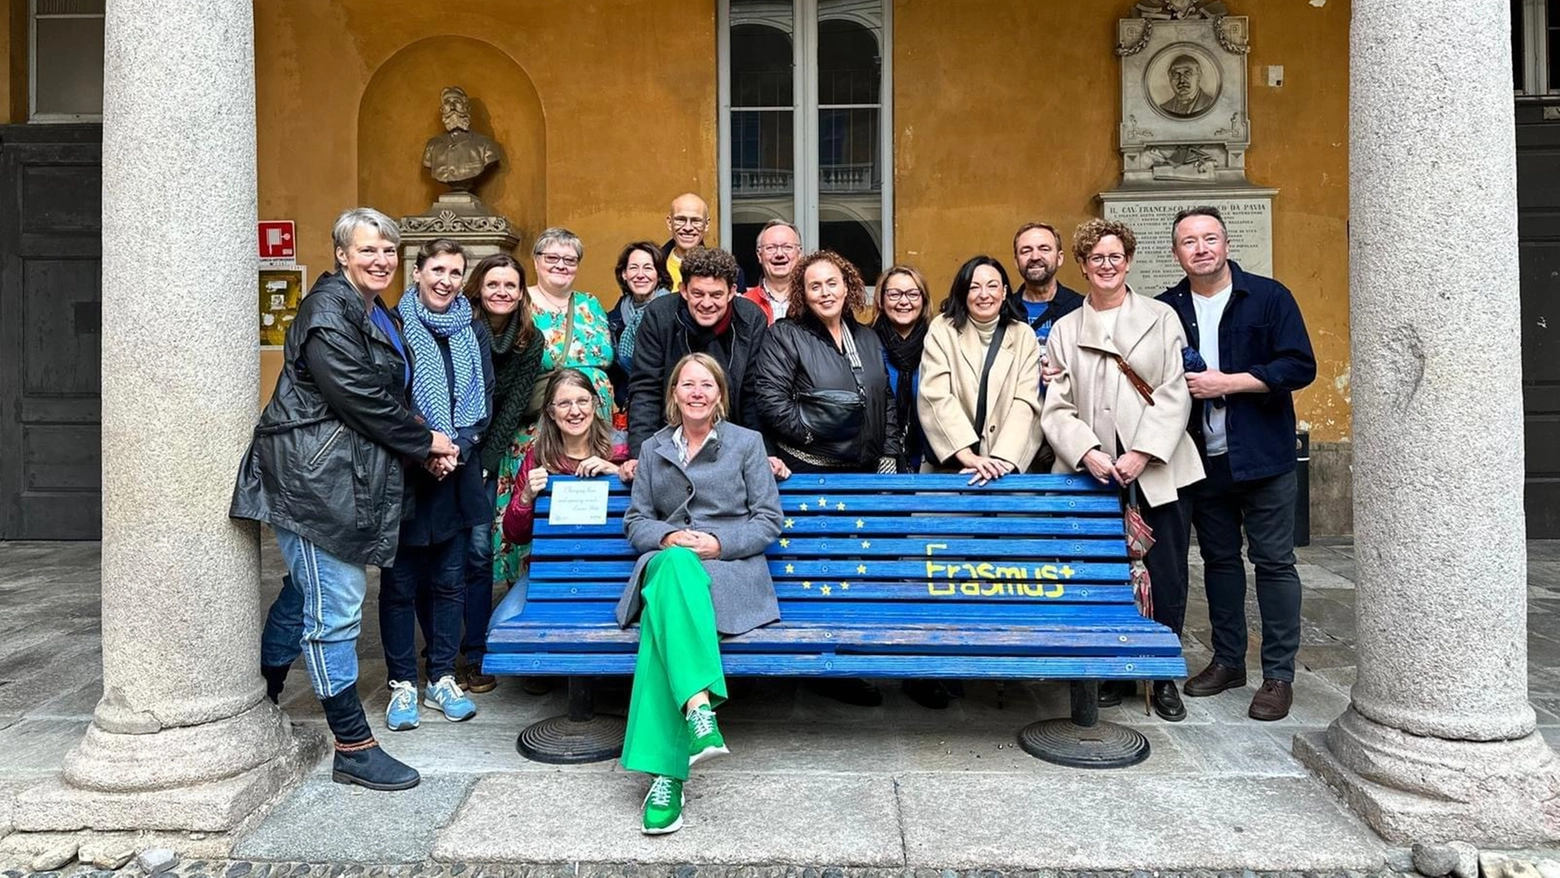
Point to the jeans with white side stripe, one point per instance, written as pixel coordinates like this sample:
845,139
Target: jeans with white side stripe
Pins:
318,613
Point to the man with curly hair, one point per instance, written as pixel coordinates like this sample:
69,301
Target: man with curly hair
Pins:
706,317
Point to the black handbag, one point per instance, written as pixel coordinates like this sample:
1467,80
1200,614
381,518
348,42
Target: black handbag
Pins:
832,415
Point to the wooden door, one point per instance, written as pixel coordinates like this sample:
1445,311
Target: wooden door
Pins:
50,327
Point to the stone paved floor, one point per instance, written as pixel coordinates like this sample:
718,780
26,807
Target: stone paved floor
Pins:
809,781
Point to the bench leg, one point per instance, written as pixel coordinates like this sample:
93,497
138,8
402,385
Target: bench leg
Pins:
1082,741
580,736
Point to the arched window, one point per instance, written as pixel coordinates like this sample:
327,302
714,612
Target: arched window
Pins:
805,127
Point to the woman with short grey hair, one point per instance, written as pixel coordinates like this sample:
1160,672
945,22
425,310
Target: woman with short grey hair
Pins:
577,336
324,470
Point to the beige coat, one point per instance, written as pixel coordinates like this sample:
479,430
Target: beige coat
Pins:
950,387
1091,404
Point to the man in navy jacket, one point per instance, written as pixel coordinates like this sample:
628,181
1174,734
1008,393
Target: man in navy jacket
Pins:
1250,334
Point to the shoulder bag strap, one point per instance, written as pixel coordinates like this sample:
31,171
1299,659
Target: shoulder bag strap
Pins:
1143,388
985,374
855,359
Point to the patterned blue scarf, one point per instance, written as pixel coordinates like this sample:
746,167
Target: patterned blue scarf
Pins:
430,385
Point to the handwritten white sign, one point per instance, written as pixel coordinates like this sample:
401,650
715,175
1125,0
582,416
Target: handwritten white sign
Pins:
583,502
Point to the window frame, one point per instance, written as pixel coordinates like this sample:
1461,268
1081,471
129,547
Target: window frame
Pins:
33,116
1536,63
805,161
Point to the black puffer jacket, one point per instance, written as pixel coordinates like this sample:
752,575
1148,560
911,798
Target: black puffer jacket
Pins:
667,334
326,457
799,355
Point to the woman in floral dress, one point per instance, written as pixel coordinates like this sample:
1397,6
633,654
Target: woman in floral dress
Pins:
568,318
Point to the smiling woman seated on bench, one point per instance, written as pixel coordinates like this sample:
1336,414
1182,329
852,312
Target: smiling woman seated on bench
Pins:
704,509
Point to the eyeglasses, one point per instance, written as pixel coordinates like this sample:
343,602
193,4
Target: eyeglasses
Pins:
769,249
569,405
690,222
1101,259
560,259
901,295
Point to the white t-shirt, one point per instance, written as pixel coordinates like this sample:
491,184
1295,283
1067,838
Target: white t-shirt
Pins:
1210,310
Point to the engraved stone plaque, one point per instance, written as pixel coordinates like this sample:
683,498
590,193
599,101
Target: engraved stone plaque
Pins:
1248,214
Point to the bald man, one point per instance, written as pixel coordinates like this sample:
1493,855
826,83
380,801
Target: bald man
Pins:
688,220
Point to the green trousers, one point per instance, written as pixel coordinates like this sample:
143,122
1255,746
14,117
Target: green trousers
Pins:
679,657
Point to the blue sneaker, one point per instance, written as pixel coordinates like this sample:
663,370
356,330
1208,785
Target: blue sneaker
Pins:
401,714
446,697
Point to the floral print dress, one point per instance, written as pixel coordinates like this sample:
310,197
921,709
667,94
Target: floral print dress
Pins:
590,352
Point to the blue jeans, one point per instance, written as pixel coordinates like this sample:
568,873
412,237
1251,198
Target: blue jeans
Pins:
439,571
318,614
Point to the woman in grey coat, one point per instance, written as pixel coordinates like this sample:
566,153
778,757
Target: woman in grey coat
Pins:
704,510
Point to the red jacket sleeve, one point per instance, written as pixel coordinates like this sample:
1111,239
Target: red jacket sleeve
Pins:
520,517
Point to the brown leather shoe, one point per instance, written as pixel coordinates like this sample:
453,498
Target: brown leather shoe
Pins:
1214,679
1272,701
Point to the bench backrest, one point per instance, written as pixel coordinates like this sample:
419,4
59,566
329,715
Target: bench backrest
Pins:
900,549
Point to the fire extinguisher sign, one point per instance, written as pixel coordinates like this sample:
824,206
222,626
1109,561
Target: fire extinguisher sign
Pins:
276,239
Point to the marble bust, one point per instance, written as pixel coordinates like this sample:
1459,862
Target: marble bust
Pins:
459,156
1187,96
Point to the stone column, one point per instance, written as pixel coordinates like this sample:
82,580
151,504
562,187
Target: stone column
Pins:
183,738
1438,742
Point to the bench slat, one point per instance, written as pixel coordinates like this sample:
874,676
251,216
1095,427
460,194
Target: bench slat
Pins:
893,526
926,639
1102,615
855,504
863,547
892,666
866,590
838,570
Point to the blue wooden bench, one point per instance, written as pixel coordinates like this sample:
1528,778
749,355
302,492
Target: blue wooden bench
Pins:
907,576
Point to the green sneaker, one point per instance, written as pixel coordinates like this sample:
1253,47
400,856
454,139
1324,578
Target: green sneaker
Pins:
704,737
663,806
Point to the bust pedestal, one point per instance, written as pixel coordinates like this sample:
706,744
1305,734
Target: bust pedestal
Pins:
462,218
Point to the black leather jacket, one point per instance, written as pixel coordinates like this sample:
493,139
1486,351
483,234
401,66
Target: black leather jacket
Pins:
667,333
326,457
798,355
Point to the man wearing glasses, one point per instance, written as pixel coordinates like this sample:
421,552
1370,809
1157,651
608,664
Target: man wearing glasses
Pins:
688,220
779,246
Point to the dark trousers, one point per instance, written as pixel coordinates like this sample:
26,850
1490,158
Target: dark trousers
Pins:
1166,561
440,571
479,589
1265,509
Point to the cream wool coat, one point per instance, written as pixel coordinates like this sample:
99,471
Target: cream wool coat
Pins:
1091,404
951,364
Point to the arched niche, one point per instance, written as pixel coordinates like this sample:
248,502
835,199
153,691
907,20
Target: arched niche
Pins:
400,111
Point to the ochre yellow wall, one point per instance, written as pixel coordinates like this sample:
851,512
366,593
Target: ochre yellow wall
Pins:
1006,111
624,92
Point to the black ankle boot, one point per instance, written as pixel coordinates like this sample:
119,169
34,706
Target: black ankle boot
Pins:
275,677
359,758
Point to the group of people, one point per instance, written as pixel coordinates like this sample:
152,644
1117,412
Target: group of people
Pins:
417,435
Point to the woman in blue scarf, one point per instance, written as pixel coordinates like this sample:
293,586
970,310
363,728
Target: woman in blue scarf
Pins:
452,389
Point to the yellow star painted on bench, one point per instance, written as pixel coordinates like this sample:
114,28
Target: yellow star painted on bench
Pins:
1067,572
785,542
844,586
807,585
860,524
804,507
790,522
823,501
790,568
860,568
866,544
840,506
825,590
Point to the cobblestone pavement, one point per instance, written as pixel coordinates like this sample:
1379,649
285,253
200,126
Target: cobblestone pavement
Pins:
870,792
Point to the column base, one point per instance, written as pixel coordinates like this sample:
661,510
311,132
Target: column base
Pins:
1410,788
215,806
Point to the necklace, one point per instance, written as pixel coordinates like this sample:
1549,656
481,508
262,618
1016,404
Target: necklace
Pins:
547,301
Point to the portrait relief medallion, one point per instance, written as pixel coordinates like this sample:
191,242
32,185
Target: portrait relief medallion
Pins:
1182,81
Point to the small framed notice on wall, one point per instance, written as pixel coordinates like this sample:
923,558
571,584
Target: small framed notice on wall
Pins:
281,289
